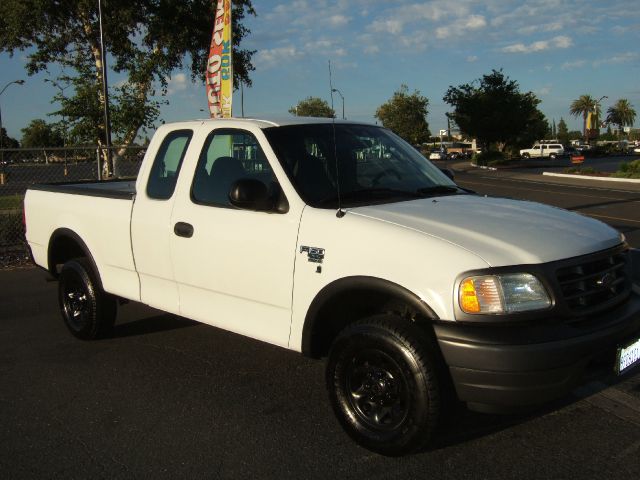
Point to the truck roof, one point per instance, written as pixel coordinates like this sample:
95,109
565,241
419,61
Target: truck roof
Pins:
270,121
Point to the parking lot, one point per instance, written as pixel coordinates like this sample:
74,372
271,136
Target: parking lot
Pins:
167,397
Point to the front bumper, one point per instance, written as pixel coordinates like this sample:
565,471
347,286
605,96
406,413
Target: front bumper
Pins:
506,367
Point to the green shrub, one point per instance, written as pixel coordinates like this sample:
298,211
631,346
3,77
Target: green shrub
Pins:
629,170
9,202
581,170
489,158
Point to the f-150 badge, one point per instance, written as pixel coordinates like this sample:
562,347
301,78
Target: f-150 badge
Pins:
314,254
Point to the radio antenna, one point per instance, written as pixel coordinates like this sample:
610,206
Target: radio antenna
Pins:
340,213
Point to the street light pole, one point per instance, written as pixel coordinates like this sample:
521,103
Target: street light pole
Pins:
342,97
17,82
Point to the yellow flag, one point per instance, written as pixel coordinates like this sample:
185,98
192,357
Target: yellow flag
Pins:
219,66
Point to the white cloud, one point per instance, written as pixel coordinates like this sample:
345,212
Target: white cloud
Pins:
371,49
625,57
539,46
177,83
472,58
338,20
475,22
271,57
393,26
573,64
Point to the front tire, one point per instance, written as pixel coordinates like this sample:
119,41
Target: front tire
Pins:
383,384
88,312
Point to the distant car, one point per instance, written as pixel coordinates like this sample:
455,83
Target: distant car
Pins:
437,155
544,150
636,150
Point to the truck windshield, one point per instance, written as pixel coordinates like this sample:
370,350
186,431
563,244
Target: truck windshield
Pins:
373,165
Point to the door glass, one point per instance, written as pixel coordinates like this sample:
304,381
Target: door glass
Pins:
166,166
227,156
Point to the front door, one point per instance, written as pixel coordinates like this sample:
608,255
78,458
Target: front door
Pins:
234,268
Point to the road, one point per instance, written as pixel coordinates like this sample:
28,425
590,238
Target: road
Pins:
617,204
167,397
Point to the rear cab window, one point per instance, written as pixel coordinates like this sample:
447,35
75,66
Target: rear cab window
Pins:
167,163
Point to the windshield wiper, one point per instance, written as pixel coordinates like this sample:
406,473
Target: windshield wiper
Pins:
371,193
440,190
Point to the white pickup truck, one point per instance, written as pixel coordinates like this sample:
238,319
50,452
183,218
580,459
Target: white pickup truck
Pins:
339,240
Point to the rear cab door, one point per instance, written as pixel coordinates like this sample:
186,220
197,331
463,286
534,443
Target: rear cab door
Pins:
151,228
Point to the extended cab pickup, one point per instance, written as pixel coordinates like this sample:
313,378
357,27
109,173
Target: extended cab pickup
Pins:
339,239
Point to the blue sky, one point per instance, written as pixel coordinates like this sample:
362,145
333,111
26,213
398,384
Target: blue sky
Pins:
556,49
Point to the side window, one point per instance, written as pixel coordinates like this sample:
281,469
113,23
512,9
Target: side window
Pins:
166,166
227,156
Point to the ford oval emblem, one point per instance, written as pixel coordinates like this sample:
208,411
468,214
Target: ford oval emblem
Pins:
606,280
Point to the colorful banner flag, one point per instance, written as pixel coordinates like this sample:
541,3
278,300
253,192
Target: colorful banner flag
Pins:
219,67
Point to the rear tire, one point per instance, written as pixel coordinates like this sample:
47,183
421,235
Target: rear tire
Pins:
88,312
383,384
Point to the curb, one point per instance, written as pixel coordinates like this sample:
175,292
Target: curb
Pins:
587,177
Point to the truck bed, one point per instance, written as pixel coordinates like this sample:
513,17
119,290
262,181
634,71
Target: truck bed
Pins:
121,189
98,213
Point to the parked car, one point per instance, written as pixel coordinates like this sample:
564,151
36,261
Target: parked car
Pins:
437,155
339,240
543,150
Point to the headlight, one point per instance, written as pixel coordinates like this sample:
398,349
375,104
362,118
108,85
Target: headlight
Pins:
508,293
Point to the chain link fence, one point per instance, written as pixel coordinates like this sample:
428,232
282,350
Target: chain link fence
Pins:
22,167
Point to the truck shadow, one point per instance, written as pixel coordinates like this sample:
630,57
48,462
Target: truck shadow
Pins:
464,425
154,324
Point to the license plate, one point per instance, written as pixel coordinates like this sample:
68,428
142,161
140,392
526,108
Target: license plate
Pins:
628,357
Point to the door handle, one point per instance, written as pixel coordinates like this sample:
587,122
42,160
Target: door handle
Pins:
183,229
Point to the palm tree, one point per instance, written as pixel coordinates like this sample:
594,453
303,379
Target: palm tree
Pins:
621,114
584,105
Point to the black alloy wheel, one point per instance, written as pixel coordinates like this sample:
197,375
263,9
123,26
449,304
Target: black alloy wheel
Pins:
383,384
88,312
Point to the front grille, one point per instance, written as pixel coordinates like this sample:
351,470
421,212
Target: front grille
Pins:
596,283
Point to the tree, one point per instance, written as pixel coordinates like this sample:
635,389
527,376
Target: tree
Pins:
147,40
406,115
493,110
313,107
584,105
621,114
41,134
7,141
563,132
575,135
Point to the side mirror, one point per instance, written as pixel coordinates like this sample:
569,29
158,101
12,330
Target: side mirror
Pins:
250,194
448,173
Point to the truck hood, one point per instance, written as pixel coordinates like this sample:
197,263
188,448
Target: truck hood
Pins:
499,230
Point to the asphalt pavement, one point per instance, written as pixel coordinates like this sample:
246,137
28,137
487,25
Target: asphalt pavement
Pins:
167,397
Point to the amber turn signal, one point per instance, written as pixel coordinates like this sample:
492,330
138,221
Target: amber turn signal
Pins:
468,298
